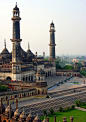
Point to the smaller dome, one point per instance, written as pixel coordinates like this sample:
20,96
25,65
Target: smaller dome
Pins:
40,71
17,113
52,24
37,119
7,110
44,120
29,53
29,117
23,115
5,51
23,53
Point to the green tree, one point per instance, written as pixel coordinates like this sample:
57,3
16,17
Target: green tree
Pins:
45,112
68,67
51,110
3,88
83,72
58,61
78,103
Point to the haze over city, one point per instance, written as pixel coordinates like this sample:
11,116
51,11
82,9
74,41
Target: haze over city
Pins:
69,17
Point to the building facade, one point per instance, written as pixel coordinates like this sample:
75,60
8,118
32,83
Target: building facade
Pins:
20,65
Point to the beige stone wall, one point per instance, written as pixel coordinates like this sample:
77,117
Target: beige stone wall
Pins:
4,75
28,74
52,69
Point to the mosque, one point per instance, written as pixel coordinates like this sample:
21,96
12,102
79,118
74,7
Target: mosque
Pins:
23,66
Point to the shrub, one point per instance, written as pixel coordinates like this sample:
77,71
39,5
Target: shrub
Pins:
60,109
83,104
78,103
44,112
84,107
66,109
51,110
73,106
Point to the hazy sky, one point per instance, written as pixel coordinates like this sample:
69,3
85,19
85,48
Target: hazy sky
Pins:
69,17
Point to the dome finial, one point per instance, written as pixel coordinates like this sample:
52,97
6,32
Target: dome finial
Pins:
23,109
16,3
37,114
5,43
30,112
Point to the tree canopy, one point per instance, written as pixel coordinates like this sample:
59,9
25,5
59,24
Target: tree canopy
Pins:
3,88
83,72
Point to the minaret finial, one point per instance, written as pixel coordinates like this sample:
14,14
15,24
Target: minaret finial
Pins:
16,3
30,112
37,114
23,109
5,43
28,46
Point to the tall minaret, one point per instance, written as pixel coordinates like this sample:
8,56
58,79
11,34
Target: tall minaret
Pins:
52,42
16,53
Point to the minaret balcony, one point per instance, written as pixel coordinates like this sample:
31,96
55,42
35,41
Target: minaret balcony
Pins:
16,40
16,18
52,30
52,44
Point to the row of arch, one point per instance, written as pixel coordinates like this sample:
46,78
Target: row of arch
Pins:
31,77
27,78
47,74
68,74
28,94
42,92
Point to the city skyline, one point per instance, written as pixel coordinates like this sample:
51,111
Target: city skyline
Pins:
69,19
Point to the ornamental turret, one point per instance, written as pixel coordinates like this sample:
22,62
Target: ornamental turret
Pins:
41,84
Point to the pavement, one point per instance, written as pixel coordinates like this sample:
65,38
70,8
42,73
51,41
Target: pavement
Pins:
52,80
82,109
69,84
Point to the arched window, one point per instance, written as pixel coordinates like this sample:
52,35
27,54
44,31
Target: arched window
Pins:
23,78
38,91
29,78
46,74
8,78
50,73
43,91
26,78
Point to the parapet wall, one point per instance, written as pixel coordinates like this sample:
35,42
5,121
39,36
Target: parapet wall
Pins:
54,103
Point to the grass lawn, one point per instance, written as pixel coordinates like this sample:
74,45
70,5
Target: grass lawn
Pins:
79,116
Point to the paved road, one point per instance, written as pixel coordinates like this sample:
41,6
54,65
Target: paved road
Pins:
69,85
52,80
